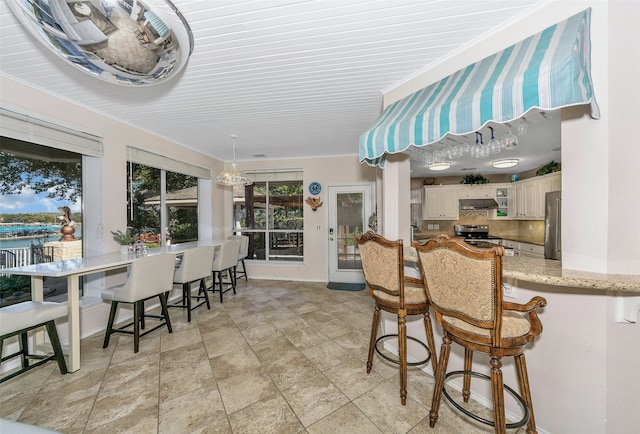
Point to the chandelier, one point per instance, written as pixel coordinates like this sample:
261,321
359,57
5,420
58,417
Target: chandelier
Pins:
233,176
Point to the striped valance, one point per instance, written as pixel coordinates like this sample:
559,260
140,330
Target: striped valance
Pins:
546,71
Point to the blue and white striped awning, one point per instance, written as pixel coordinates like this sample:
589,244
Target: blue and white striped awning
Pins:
546,71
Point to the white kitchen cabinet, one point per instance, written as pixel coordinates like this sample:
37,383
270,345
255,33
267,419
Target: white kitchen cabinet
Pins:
524,249
477,192
528,201
531,250
440,203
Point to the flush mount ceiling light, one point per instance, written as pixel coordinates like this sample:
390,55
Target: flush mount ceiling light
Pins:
233,176
505,164
440,166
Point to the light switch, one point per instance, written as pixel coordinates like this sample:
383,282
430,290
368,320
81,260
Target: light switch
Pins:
436,227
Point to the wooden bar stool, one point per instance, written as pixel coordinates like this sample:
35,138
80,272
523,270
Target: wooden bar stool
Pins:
20,318
393,292
464,286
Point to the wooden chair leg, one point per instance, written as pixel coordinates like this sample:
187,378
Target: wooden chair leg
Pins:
112,317
57,348
374,334
466,381
445,349
431,343
498,396
402,354
525,391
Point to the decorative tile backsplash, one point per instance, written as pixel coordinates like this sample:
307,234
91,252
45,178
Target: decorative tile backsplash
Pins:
532,230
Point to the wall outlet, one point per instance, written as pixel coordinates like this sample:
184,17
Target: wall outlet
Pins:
430,227
509,291
436,227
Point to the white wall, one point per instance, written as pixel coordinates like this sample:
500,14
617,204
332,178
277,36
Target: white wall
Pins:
327,171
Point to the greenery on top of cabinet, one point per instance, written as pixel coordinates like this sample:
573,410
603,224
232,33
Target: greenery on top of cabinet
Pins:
474,179
551,167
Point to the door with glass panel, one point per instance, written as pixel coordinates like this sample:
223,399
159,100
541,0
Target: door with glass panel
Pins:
350,207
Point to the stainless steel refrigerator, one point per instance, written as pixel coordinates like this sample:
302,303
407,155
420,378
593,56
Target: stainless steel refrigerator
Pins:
553,225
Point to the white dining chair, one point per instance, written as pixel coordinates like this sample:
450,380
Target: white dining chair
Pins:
195,266
149,277
242,255
18,319
225,259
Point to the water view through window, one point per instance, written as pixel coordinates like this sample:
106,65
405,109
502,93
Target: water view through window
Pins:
39,186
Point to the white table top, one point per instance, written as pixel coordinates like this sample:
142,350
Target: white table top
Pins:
92,264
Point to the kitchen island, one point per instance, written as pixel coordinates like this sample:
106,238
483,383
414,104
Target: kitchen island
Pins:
587,355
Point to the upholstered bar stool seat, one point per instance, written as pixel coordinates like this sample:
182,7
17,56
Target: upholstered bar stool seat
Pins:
226,258
149,277
195,266
242,255
18,319
464,286
393,292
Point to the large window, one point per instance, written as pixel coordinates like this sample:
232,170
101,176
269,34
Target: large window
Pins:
149,210
35,183
270,212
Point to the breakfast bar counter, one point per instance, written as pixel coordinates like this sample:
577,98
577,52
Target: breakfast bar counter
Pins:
550,272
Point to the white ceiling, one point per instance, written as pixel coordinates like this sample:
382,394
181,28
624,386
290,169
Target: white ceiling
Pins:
292,78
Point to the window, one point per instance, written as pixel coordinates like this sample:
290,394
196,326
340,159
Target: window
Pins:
270,212
35,181
148,207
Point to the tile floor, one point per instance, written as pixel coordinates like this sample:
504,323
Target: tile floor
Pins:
278,357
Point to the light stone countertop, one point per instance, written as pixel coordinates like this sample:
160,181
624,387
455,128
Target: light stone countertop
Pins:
550,272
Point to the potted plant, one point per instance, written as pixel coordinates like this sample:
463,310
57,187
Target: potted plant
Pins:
125,239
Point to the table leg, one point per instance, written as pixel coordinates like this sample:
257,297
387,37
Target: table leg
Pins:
37,288
73,295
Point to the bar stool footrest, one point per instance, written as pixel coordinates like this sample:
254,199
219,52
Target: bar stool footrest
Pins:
396,361
474,416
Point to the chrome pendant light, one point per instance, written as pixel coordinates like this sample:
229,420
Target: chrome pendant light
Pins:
233,176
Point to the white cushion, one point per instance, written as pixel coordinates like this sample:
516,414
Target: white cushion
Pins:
29,313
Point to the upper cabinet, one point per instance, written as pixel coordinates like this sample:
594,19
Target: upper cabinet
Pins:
528,196
440,203
477,192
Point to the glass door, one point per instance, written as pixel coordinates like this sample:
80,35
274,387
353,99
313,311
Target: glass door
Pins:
349,212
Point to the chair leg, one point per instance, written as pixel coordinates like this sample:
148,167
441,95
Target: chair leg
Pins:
232,277
466,381
402,353
138,321
498,396
244,270
203,290
445,349
431,343
220,284
165,311
112,317
24,350
374,334
57,348
186,298
523,379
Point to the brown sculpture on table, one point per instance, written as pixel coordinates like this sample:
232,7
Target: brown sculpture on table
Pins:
67,226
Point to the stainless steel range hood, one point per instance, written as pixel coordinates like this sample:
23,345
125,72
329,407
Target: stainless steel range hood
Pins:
478,204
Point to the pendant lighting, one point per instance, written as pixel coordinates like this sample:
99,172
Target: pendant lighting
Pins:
233,176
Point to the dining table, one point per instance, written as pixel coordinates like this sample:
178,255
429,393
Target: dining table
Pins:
73,270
